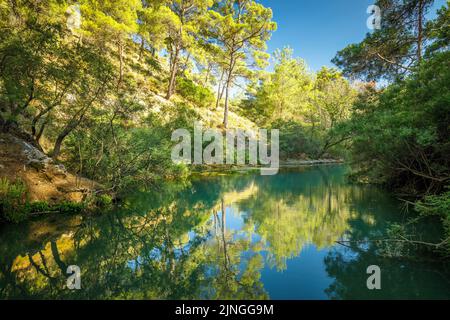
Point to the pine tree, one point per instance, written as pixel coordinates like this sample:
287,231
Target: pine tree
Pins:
242,28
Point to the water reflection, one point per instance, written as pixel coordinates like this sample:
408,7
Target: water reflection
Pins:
221,238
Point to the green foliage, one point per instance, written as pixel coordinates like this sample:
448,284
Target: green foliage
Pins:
285,93
104,201
437,205
47,73
120,156
110,18
29,38
65,207
13,201
295,140
400,136
68,207
16,207
438,30
40,206
308,108
391,51
85,91
198,95
241,29
184,23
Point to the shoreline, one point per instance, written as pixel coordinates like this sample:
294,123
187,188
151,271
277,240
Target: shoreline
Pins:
218,170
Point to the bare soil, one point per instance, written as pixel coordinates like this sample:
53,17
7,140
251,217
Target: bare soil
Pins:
49,182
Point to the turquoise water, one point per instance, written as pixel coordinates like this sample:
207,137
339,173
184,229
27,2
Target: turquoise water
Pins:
299,235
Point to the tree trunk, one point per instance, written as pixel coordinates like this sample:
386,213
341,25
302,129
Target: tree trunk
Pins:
225,113
227,90
41,130
227,97
224,239
66,131
220,90
120,47
173,74
73,123
141,49
2,123
58,143
57,257
208,71
35,121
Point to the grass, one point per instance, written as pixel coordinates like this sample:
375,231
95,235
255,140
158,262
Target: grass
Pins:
15,206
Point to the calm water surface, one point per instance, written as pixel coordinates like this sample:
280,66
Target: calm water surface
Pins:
290,236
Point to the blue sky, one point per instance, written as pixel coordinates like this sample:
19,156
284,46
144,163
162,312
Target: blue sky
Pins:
317,29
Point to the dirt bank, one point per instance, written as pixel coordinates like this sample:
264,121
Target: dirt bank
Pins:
45,179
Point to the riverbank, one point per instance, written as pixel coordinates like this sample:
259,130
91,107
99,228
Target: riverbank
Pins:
284,164
31,183
34,184
45,179
298,163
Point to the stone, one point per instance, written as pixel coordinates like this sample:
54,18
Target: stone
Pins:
57,170
36,164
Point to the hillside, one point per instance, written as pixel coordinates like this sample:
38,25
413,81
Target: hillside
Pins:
45,180
50,181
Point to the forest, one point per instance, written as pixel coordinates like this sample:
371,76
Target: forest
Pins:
98,87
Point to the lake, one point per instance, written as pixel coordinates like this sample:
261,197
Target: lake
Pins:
302,234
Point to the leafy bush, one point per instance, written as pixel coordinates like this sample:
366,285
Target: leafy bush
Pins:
15,206
69,207
104,201
198,95
13,201
295,141
437,205
401,136
122,156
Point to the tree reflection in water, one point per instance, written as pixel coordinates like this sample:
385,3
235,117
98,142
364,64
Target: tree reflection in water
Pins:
210,240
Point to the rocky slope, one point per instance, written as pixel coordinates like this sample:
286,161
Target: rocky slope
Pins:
45,179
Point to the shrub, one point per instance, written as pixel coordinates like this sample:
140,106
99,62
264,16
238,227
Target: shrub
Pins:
128,157
295,141
401,136
15,206
13,201
437,205
198,95
70,207
103,201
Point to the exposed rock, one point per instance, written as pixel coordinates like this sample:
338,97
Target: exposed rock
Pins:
57,170
36,164
36,158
